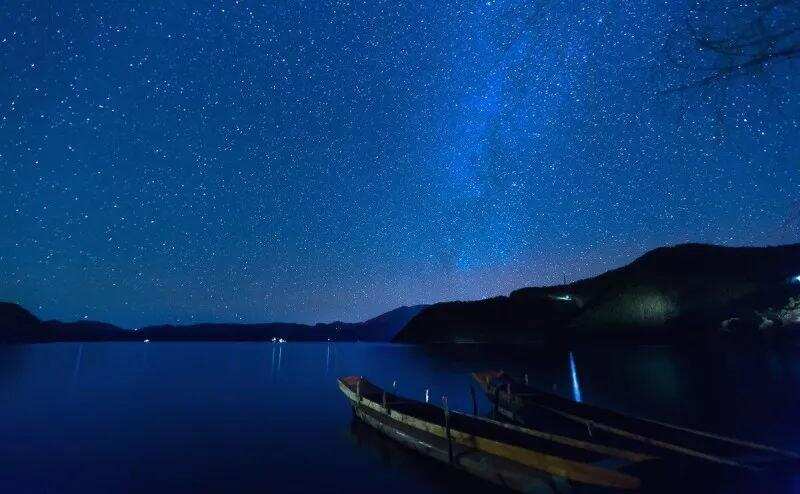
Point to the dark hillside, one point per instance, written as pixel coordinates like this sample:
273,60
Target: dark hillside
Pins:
17,325
668,293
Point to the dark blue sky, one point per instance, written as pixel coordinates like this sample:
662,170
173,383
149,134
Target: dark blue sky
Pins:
310,161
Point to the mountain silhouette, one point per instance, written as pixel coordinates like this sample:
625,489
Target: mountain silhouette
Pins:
668,293
19,325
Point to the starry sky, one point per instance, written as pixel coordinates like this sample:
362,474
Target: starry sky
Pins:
170,162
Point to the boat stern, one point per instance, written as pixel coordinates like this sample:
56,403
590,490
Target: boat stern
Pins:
488,380
349,381
348,385
485,378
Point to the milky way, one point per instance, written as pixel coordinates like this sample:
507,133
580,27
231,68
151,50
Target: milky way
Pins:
321,160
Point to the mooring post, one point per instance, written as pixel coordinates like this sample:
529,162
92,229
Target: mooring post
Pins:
474,400
427,395
358,389
385,403
447,429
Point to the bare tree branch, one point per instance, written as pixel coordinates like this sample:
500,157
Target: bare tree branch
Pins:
727,39
733,70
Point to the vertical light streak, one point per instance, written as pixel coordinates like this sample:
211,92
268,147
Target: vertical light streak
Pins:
576,386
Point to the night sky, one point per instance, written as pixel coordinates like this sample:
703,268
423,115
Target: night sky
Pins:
311,161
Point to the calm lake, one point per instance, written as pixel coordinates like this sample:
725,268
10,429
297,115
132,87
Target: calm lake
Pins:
263,417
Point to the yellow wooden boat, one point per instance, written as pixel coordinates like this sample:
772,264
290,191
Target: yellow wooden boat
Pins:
520,458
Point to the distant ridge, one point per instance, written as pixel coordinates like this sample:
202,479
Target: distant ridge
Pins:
666,294
380,328
17,325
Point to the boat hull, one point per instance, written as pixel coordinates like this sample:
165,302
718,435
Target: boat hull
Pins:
505,464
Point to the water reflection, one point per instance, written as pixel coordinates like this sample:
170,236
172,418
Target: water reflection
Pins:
576,387
76,370
330,355
277,358
176,408
272,362
12,361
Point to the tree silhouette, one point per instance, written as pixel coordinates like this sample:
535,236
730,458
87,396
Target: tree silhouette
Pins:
726,39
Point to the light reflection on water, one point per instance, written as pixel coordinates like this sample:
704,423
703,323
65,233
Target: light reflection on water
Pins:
573,372
76,371
205,417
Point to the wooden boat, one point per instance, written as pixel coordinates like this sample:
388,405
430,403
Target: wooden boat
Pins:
523,459
523,404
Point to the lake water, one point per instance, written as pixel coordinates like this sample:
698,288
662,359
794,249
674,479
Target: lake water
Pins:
263,417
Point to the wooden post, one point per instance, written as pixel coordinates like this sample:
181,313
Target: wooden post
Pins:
385,406
474,400
358,390
447,429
